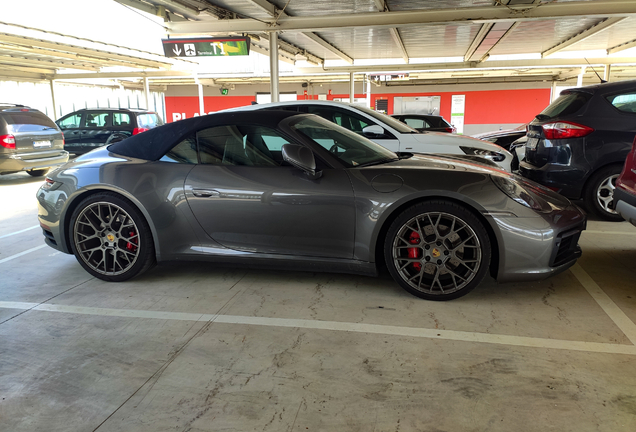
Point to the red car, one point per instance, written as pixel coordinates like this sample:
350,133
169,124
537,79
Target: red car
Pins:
625,192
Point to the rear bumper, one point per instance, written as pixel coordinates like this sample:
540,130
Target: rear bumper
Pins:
625,205
567,180
27,161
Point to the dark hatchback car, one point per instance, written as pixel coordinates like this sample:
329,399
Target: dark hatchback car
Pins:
625,193
577,146
87,129
29,141
426,123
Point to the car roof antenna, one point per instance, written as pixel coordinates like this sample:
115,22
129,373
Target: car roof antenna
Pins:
599,77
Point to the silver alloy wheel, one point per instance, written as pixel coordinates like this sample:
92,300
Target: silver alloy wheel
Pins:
442,257
106,238
605,194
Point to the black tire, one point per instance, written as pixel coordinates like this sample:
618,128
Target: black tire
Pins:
599,192
110,238
38,172
437,250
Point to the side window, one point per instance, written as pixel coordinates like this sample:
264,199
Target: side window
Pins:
624,102
147,120
96,119
240,145
343,118
71,122
121,119
184,152
416,123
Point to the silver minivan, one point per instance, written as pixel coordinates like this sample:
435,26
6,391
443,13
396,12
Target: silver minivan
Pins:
29,141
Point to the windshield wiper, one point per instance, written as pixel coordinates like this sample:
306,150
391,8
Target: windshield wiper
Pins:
378,162
542,117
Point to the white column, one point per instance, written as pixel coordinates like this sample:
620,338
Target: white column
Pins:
147,92
607,72
273,65
553,94
201,104
368,79
579,79
352,87
53,99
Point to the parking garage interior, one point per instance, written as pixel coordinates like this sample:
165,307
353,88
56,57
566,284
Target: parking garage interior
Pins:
192,346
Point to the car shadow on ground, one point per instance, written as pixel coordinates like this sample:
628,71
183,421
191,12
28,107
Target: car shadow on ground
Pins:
19,179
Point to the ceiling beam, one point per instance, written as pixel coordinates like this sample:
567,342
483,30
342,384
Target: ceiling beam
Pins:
395,34
591,31
46,64
621,47
499,64
479,38
40,43
151,9
478,14
275,13
115,75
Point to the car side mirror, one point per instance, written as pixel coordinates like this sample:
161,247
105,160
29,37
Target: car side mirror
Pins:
373,131
301,158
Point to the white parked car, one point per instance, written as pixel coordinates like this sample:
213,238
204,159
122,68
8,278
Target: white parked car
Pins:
391,133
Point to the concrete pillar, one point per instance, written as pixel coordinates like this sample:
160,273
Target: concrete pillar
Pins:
201,104
273,65
553,94
368,79
352,88
53,99
607,72
147,92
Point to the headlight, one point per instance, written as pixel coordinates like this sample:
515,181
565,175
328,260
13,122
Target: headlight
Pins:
493,156
522,192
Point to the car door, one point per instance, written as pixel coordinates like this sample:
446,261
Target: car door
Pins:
246,198
70,126
355,122
95,129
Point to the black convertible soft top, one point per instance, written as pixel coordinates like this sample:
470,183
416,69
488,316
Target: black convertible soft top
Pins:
153,144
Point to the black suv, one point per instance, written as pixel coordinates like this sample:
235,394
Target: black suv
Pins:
29,141
89,128
577,146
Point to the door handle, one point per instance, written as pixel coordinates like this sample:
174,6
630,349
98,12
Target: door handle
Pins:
205,193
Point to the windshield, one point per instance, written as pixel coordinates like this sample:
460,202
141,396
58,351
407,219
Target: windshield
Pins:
350,148
390,121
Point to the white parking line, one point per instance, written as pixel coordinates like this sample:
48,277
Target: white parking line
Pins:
19,232
336,326
615,313
12,257
622,233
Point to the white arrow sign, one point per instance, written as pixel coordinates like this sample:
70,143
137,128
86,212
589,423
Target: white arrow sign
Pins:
177,50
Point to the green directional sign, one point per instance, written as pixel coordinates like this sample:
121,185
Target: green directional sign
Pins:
206,47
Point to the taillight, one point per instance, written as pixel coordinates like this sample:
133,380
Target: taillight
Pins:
7,141
562,130
449,129
139,130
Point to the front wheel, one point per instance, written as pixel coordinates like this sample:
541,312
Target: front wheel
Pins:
437,250
599,193
110,238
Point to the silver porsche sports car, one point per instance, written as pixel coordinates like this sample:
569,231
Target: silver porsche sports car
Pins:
288,190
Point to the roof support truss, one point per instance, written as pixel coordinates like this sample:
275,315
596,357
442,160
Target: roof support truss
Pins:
395,34
273,11
622,47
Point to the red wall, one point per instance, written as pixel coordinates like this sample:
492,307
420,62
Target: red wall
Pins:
482,107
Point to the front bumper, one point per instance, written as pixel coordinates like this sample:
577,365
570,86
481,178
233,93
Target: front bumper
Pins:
536,248
625,205
27,161
565,179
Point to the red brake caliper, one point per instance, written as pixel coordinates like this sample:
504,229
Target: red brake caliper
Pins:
132,244
415,252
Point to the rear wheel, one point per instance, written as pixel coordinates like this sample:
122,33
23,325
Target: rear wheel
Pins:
38,172
110,238
599,193
437,250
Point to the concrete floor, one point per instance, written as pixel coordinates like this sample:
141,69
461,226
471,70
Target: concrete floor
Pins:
199,347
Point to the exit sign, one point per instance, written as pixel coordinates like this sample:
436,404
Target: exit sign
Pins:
206,47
